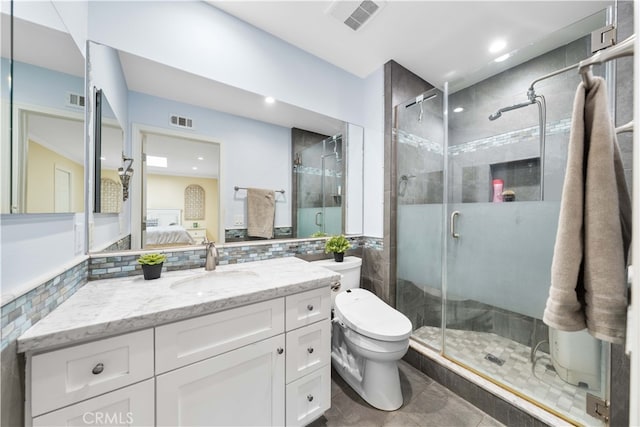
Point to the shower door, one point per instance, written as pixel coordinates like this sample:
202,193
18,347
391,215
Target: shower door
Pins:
419,138
473,274
498,253
319,175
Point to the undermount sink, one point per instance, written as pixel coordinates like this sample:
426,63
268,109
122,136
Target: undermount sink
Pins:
210,279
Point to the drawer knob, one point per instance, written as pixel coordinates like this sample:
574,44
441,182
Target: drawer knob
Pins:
310,350
280,350
310,307
310,397
98,369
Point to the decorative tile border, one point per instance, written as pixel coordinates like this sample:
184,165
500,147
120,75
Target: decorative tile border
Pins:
240,234
508,138
123,244
374,243
125,264
18,315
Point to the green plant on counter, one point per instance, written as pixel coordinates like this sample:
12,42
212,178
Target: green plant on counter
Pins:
152,259
319,234
337,244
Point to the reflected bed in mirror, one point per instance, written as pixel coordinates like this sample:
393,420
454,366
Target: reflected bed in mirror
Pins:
254,149
180,191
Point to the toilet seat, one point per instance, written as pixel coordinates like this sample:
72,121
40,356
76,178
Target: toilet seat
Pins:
365,313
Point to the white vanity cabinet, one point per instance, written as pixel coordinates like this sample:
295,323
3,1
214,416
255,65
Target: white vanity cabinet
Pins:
265,363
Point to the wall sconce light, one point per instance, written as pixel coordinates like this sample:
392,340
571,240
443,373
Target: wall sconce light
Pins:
125,172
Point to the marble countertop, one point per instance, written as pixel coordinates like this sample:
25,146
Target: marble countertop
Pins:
108,307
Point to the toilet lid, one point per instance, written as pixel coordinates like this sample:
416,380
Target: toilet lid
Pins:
368,315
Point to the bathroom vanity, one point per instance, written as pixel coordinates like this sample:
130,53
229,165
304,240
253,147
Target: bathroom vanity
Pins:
246,344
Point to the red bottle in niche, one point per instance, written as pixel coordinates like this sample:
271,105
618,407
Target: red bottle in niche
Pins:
497,190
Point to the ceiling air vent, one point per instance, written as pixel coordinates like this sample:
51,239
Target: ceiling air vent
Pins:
181,122
354,14
75,100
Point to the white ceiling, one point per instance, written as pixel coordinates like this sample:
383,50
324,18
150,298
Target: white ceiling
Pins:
438,40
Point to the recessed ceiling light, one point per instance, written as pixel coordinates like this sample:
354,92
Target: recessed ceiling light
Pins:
458,110
200,158
497,45
159,162
502,57
195,168
103,158
269,100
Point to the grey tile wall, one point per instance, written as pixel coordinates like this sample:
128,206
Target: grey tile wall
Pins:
620,364
400,84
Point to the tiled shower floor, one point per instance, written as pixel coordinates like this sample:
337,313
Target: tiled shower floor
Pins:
542,384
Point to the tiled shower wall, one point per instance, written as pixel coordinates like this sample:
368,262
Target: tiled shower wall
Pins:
478,146
400,85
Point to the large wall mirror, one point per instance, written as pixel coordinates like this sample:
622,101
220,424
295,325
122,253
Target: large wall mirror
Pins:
198,144
44,171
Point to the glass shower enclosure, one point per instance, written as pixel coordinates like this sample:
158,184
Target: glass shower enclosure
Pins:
473,270
319,170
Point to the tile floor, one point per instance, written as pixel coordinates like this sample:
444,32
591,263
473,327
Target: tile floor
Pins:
426,403
542,384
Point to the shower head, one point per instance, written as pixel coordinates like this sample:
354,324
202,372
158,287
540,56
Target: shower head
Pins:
498,113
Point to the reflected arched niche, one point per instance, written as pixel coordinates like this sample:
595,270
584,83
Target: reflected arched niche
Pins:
193,202
110,196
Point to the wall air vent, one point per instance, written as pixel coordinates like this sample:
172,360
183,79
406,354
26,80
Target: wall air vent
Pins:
180,121
75,100
355,14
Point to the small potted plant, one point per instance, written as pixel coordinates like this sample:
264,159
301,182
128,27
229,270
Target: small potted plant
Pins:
338,245
151,265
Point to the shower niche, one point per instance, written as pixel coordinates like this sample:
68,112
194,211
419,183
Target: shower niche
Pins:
520,176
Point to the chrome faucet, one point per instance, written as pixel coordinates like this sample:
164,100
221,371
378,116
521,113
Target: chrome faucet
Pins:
212,257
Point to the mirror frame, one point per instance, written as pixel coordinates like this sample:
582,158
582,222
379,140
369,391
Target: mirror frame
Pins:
97,149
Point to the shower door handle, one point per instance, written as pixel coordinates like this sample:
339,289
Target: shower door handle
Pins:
318,223
454,215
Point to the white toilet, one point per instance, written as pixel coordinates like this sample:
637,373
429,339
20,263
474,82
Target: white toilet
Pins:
368,338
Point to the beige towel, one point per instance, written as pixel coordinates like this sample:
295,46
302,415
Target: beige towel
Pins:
261,212
588,272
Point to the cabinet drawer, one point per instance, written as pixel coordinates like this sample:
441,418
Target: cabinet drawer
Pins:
308,307
309,397
66,376
129,406
181,343
308,349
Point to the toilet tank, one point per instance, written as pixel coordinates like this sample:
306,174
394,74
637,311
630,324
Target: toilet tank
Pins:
349,270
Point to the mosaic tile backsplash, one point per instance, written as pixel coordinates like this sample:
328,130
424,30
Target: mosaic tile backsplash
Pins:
111,266
19,314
